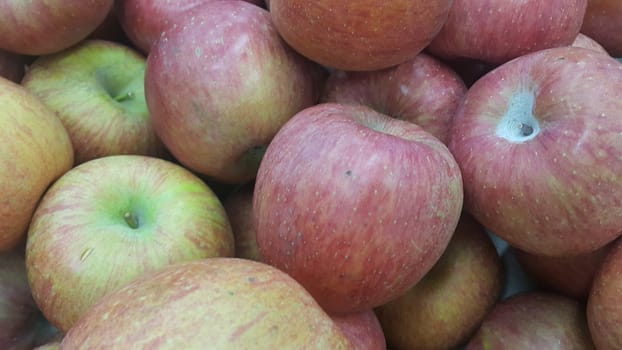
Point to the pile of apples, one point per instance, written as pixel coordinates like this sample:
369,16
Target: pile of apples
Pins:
311,174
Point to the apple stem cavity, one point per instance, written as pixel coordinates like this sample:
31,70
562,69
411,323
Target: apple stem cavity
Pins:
124,97
518,124
131,220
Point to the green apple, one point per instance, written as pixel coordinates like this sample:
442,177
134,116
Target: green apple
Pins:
35,150
97,90
218,303
109,220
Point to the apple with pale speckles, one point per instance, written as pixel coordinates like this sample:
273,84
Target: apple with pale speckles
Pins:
355,205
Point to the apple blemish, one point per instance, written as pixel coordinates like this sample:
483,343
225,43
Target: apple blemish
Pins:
518,124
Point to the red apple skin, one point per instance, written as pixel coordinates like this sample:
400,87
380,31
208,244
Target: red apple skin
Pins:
602,23
568,275
604,311
585,41
359,35
12,66
48,26
337,207
447,306
499,30
216,106
534,320
37,150
239,207
539,185
422,90
221,303
362,328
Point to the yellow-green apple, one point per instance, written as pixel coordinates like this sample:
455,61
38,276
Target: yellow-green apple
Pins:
218,303
585,41
35,151
359,35
421,90
108,221
22,324
220,85
239,207
602,23
604,310
355,205
97,90
41,27
534,320
447,306
144,20
362,328
539,155
569,275
499,30
12,66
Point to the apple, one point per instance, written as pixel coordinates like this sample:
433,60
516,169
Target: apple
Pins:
96,89
219,303
602,23
585,41
12,66
604,311
538,141
421,90
108,221
221,85
239,207
355,205
569,275
42,27
534,320
144,20
362,328
500,30
359,35
446,307
35,152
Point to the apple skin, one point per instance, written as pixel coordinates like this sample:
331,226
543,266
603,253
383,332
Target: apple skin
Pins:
80,246
569,275
96,89
12,66
534,320
585,41
239,207
37,150
500,30
539,154
447,306
422,90
359,35
362,328
604,312
602,23
228,303
144,20
217,103
49,26
355,205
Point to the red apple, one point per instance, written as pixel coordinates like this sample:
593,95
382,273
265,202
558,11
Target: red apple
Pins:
585,41
35,151
538,141
110,220
355,205
446,307
362,328
499,30
219,303
534,320
604,310
239,207
602,22
42,27
422,90
359,34
221,85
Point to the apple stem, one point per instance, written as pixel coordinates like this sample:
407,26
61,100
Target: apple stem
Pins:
124,97
131,220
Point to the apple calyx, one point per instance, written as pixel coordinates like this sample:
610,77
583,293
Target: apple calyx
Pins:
131,219
518,124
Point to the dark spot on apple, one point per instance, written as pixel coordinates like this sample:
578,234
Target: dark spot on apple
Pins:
348,172
252,280
561,58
